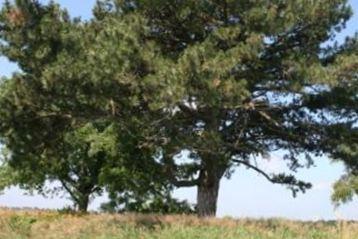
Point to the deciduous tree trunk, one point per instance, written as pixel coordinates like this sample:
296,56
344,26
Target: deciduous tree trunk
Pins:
83,203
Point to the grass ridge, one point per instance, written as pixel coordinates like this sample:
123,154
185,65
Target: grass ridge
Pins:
47,224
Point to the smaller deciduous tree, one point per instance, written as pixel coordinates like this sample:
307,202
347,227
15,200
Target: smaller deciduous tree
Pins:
344,140
346,187
77,82
81,158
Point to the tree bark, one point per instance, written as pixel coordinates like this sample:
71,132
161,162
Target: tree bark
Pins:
208,191
83,203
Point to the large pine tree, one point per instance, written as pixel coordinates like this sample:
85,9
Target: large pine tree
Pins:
247,78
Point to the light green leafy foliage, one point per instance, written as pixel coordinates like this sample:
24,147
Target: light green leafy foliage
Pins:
69,115
346,188
346,149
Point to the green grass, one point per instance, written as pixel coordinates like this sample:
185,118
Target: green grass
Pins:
56,225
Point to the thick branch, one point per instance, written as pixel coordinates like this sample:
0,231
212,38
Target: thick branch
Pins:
67,188
247,164
293,184
185,183
170,170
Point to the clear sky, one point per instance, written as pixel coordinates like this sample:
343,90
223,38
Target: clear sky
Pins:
246,194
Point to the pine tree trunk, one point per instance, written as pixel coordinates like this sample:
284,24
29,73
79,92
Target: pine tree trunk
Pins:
208,191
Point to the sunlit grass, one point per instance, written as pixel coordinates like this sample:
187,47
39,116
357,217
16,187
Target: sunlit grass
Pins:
56,225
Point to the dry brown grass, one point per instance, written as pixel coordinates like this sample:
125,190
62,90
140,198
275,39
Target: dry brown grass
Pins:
20,224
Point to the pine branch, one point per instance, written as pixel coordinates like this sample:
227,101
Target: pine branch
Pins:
293,184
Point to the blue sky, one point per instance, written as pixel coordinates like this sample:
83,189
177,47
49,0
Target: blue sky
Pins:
246,194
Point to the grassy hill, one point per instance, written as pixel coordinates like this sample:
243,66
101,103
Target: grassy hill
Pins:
21,224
